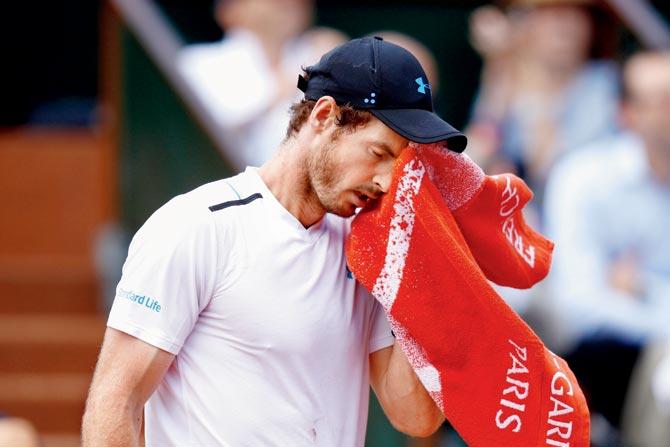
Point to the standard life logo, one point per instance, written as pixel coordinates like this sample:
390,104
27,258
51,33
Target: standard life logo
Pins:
142,300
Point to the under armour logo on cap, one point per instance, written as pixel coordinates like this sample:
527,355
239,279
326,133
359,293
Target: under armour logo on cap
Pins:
422,85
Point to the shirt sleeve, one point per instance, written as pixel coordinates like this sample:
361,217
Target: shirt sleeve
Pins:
168,277
380,331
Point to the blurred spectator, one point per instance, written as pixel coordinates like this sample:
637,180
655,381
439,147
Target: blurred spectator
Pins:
608,210
543,89
646,418
248,80
15,432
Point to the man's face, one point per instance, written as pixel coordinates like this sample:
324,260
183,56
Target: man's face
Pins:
283,19
558,35
647,108
354,166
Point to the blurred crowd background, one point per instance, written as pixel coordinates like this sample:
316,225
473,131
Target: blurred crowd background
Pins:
112,107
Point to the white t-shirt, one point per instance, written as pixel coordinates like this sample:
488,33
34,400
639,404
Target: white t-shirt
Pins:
270,331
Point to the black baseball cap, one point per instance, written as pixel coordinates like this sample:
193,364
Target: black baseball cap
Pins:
386,80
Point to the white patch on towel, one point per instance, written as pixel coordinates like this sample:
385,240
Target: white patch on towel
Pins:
427,373
458,179
430,377
400,234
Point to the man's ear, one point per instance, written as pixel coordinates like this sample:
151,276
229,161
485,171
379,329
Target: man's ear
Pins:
626,115
324,114
226,14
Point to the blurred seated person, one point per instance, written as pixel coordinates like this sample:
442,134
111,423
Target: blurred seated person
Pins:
15,432
544,89
248,80
646,417
608,210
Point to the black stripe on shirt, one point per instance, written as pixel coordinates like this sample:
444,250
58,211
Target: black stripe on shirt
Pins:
239,202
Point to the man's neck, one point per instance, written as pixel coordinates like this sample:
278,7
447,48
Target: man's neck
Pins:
659,161
272,42
287,178
546,77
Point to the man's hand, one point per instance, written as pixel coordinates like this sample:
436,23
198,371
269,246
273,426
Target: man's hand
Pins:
407,404
625,276
490,32
128,372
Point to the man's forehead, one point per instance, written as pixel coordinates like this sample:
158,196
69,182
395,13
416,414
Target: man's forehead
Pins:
386,138
648,72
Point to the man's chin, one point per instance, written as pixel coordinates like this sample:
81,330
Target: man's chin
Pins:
343,211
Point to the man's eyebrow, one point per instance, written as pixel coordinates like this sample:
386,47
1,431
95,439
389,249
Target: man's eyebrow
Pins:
384,147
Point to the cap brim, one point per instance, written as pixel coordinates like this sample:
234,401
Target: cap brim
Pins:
422,126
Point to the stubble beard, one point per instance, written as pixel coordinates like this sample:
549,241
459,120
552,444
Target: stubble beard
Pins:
322,174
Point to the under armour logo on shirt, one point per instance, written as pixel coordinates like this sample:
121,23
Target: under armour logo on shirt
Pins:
422,85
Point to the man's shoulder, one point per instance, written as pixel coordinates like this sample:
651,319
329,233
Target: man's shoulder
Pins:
195,212
591,174
609,156
601,71
203,50
221,194
230,50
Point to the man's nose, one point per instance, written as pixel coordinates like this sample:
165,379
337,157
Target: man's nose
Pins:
383,181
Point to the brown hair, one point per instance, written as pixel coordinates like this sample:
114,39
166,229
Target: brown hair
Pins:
349,119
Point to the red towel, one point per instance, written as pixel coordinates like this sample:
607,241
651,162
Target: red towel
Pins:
425,252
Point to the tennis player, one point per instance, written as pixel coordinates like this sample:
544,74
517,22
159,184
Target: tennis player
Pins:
236,321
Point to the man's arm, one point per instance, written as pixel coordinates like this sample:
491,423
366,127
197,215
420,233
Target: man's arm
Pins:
407,404
128,371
